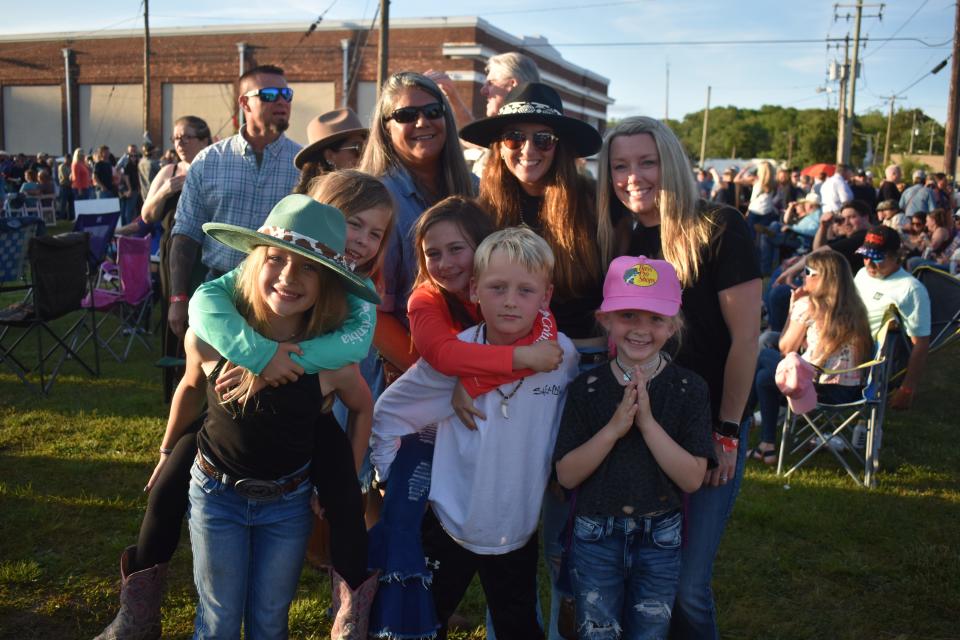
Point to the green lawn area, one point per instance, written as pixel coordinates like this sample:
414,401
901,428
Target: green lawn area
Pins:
820,558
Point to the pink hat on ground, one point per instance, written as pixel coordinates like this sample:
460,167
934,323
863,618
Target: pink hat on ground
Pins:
794,378
641,283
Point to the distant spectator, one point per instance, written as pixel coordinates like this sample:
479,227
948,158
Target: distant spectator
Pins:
725,189
761,210
65,202
30,187
863,190
918,197
335,140
704,183
129,184
942,192
103,174
890,215
80,176
836,190
169,157
45,182
888,188
147,168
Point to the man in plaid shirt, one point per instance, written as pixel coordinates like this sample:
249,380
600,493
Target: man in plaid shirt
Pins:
237,180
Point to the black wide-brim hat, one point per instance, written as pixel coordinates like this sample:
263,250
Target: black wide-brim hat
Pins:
535,102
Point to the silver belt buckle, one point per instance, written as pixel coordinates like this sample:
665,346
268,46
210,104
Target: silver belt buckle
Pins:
253,489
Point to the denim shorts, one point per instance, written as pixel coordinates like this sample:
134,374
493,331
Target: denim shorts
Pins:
625,575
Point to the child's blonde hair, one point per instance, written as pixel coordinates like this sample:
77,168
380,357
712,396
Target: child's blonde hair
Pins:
521,245
328,312
353,192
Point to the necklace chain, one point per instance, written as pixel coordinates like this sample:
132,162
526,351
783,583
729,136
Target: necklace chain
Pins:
652,366
504,397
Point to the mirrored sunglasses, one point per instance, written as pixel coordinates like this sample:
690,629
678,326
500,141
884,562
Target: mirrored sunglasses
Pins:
807,271
270,94
542,140
406,115
355,148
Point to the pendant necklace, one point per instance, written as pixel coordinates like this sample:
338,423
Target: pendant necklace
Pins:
650,369
504,397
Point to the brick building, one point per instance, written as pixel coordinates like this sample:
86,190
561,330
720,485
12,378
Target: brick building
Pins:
63,90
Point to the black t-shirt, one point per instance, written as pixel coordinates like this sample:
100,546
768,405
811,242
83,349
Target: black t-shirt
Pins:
104,172
629,476
847,246
729,260
271,437
889,191
130,170
866,194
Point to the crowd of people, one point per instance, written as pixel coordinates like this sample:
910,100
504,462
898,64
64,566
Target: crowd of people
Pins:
455,366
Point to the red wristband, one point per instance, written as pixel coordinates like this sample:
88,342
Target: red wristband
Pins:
180,297
729,444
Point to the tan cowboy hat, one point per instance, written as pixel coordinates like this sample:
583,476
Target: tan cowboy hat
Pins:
327,129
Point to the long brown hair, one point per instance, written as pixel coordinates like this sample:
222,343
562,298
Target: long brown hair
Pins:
837,310
474,223
328,312
379,156
568,215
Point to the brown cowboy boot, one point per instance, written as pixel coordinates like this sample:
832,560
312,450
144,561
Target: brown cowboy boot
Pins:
351,607
140,594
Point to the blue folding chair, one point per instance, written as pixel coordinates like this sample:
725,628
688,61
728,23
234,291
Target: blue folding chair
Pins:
100,227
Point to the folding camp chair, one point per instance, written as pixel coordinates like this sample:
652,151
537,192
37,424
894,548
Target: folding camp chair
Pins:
944,291
15,235
58,282
98,218
831,427
129,302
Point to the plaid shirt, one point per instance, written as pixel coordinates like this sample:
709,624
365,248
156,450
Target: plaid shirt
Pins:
224,184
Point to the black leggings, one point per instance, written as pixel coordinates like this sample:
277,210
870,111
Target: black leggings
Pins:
332,472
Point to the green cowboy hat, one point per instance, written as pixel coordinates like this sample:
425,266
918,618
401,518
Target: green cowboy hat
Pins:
300,224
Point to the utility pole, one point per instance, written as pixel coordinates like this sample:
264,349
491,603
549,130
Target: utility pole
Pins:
886,145
953,109
842,124
146,67
845,138
666,100
384,45
913,130
703,137
930,149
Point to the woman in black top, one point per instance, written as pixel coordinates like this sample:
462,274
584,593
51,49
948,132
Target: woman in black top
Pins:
644,171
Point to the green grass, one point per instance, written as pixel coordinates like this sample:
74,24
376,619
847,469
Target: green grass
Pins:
817,558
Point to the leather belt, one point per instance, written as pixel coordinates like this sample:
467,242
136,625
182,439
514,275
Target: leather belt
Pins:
252,488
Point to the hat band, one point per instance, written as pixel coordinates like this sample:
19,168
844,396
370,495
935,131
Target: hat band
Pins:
528,107
293,237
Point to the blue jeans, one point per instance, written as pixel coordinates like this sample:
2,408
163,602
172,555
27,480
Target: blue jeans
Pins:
767,393
247,556
694,615
625,575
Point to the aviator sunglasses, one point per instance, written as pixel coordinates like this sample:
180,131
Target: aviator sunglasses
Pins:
542,140
270,94
406,115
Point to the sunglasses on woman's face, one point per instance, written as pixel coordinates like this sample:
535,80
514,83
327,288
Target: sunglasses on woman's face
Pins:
406,115
807,271
542,140
270,94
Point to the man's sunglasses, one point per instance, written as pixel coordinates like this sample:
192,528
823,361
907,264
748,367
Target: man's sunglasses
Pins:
542,140
270,94
406,115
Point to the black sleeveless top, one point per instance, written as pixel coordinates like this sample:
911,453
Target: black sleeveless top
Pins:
273,436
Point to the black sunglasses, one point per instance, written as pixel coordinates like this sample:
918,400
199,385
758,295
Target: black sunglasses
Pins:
270,94
406,115
542,140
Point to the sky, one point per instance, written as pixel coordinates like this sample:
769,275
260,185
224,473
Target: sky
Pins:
631,42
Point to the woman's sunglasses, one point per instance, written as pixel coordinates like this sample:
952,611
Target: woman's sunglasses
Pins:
807,271
406,115
270,94
542,140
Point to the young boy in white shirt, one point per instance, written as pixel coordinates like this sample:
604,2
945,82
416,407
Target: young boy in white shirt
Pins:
487,484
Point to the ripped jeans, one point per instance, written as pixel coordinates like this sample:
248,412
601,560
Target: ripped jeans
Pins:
625,575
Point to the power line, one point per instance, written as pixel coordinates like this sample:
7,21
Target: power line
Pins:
687,43
936,69
313,27
912,16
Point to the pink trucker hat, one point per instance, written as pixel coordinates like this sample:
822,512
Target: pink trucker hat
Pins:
641,283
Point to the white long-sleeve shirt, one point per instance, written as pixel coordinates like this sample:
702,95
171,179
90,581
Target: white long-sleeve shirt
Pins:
834,193
486,485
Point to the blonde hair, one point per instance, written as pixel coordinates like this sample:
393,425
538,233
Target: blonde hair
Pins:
353,192
837,310
379,156
328,312
766,177
567,213
521,246
685,229
78,154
